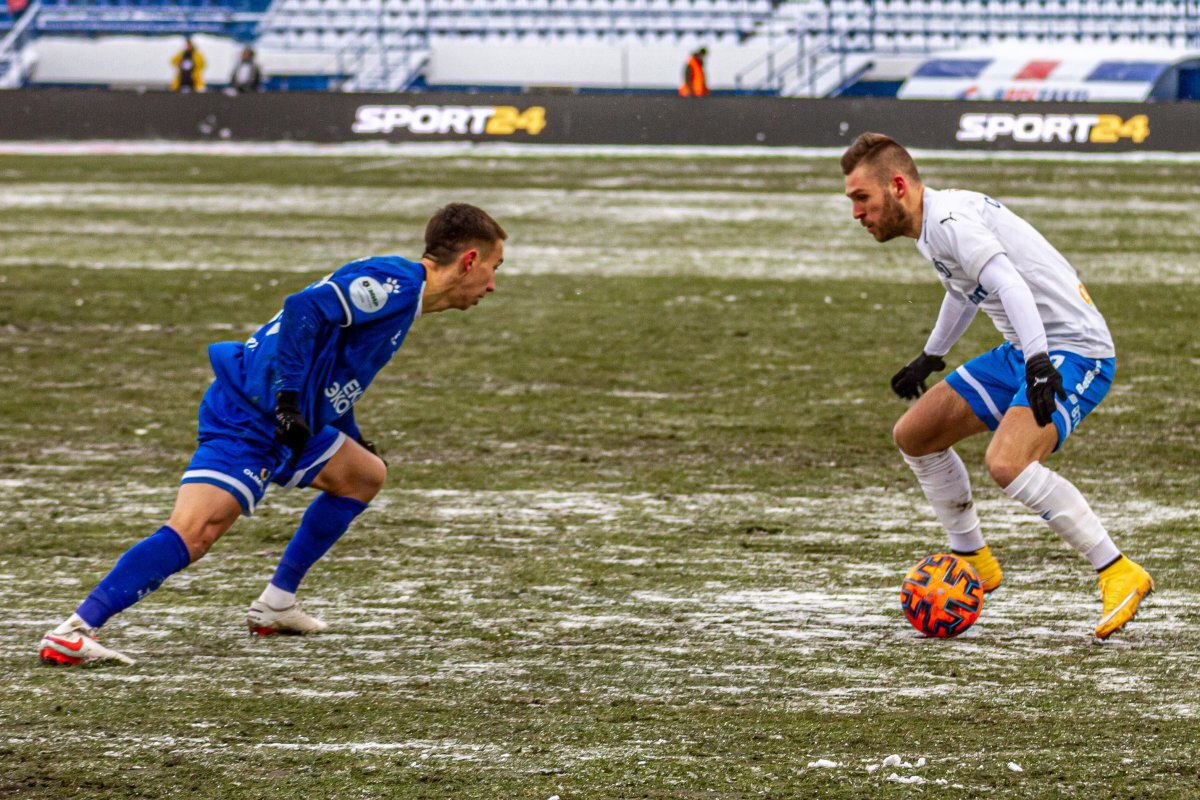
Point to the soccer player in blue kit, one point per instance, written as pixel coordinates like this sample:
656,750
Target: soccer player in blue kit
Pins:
281,410
1056,365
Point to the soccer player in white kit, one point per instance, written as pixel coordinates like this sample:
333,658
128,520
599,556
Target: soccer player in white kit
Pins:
1055,365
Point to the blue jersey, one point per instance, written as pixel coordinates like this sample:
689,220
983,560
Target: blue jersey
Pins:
327,344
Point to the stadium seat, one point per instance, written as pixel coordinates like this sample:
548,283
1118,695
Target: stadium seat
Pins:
853,25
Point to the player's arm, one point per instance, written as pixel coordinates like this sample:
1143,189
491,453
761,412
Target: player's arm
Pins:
1000,278
956,233
954,317
305,315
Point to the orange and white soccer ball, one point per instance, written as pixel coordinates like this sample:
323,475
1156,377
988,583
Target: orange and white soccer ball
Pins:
942,596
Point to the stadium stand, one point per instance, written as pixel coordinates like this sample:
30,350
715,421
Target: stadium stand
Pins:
386,44
237,19
792,47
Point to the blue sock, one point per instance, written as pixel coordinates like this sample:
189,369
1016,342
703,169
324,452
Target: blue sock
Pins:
323,524
137,573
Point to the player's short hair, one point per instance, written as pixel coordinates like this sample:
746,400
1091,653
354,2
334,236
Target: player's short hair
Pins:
458,226
883,154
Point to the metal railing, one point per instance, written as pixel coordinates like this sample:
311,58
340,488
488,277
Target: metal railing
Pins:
388,64
14,68
802,66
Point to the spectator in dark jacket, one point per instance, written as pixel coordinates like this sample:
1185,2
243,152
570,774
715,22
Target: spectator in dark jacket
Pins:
247,77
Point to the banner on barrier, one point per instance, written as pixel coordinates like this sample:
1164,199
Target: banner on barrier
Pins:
70,115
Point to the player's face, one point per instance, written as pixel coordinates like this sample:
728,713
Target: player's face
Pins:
481,277
876,206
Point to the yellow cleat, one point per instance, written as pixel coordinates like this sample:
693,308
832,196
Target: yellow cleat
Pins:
987,566
1123,584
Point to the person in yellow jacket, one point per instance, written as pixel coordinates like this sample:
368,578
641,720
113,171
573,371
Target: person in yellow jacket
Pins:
694,83
189,68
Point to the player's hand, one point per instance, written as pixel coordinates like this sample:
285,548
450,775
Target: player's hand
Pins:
290,428
369,446
909,382
1042,385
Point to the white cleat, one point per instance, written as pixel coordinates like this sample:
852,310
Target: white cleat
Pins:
262,620
75,647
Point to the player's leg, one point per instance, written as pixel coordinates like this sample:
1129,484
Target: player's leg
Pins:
202,513
226,477
938,420
925,435
348,480
1014,460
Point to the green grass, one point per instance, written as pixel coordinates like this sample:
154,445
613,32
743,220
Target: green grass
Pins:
644,524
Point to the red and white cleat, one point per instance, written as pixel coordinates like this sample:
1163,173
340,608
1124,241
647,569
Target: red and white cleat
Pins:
262,620
75,647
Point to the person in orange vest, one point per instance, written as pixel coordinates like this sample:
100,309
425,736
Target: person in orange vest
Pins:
694,84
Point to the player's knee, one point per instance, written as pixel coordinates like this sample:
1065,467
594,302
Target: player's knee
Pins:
199,538
200,532
374,476
1004,467
367,480
909,438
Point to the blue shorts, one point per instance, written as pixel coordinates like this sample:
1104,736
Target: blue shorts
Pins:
236,454
993,382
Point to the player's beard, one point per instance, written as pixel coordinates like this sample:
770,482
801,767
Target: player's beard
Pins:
894,220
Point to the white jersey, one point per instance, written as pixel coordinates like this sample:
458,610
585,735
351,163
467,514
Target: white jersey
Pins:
963,230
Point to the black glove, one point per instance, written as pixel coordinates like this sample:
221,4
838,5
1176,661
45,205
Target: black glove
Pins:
369,446
1042,384
909,382
290,428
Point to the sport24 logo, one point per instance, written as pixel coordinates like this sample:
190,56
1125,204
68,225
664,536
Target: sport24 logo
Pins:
1044,128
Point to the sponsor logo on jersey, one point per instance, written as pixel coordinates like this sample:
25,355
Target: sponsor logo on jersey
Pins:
1044,128
367,294
979,295
1088,377
489,120
260,479
343,398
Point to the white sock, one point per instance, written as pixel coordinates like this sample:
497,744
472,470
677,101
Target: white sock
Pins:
1056,500
73,623
277,598
947,486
